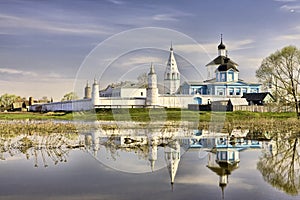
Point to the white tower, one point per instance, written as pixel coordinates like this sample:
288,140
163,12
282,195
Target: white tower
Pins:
172,75
87,91
172,158
152,90
152,156
95,93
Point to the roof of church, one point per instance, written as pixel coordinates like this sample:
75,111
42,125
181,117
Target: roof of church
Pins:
220,60
226,67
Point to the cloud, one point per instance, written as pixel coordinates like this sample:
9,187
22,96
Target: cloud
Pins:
116,2
9,21
285,1
291,8
16,72
164,17
230,45
286,37
173,15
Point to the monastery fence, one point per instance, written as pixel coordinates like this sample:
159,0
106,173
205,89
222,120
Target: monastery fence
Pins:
251,108
265,108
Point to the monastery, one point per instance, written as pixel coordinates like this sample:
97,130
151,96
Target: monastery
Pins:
223,83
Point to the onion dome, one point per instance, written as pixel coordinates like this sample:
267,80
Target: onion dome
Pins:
221,45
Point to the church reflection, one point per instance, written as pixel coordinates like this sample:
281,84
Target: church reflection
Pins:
223,161
148,149
145,144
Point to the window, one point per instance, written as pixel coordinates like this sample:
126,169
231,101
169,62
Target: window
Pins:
223,77
231,91
238,91
220,92
230,76
142,93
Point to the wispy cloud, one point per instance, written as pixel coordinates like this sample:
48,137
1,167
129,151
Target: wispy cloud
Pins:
16,72
291,8
295,37
230,45
164,17
116,2
172,15
286,1
10,21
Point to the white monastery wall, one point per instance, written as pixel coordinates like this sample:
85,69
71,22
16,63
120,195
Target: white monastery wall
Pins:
76,105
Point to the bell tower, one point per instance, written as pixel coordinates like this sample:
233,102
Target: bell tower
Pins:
172,75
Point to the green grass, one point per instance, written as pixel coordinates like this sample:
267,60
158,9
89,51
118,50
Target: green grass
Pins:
35,116
146,114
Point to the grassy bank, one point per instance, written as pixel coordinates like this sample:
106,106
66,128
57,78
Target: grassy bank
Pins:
35,116
144,115
218,121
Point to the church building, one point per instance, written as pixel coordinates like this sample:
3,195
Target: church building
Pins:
222,79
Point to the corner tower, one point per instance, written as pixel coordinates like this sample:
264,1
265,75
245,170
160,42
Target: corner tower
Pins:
95,93
87,91
152,90
172,75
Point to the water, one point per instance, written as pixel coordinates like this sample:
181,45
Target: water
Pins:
171,163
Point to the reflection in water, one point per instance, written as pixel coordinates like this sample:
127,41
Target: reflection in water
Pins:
148,150
53,147
223,161
281,166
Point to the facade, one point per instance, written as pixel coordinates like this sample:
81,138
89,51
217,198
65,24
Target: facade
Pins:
222,79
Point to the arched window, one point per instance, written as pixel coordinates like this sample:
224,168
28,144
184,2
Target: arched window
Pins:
173,75
168,75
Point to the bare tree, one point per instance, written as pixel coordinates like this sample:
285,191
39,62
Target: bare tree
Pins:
281,70
281,167
6,100
142,80
69,96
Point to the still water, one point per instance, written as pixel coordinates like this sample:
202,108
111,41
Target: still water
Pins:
149,163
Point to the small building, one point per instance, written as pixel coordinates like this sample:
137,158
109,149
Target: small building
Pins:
261,98
234,103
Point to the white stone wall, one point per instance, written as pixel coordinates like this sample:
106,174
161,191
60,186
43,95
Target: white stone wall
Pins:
107,102
76,105
172,101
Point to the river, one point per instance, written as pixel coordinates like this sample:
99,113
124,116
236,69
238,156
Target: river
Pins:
167,162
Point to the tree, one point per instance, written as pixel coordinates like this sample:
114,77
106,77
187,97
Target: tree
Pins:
142,80
281,71
6,100
281,166
69,96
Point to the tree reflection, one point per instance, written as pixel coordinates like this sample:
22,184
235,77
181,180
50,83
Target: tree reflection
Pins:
281,166
42,148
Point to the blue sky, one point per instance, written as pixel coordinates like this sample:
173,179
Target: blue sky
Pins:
46,47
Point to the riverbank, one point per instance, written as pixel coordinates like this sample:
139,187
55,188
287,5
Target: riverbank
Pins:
61,122
144,115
